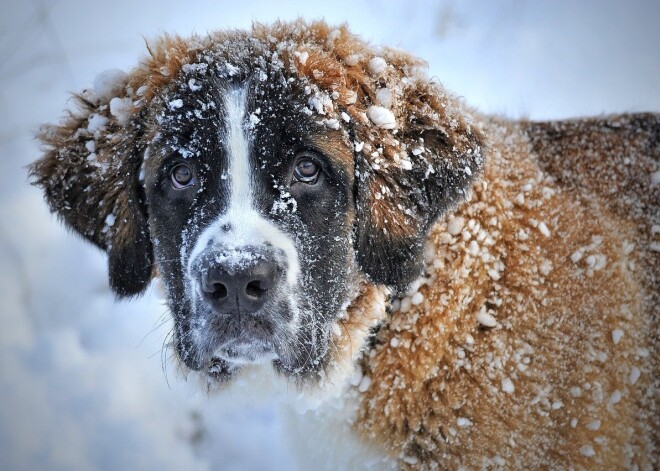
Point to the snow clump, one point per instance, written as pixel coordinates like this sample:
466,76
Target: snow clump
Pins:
463,422
587,451
384,97
175,104
121,108
377,66
486,319
96,122
381,117
507,386
351,60
109,84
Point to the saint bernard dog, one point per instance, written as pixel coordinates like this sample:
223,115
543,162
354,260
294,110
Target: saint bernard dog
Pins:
451,290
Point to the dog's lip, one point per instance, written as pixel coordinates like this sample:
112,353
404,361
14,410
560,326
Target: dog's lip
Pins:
244,351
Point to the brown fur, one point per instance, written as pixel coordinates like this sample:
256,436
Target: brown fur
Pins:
554,321
554,244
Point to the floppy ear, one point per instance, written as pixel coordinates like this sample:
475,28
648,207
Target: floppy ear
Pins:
89,174
408,178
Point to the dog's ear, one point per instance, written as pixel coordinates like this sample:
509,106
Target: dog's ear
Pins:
90,177
414,160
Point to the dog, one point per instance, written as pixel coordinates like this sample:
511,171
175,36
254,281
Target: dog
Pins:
457,290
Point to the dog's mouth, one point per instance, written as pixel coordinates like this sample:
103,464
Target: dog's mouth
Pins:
245,351
230,357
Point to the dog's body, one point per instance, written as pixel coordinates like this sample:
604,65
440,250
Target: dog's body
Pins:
285,185
554,250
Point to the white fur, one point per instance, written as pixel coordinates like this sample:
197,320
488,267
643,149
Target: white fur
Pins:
326,439
319,422
248,227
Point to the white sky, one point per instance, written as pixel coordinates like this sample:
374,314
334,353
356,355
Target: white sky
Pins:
80,379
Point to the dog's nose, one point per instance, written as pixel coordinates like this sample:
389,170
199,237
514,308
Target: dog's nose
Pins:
241,285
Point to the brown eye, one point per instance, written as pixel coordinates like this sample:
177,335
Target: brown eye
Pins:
182,177
306,171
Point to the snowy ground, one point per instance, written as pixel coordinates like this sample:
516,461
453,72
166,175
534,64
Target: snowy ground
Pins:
81,383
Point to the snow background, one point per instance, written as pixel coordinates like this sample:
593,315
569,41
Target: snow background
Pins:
81,379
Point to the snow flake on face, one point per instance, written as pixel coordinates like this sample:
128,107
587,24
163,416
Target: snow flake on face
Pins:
417,298
593,425
352,60
286,203
596,262
455,225
546,267
231,69
254,119
615,397
237,257
494,274
175,104
194,85
195,68
405,164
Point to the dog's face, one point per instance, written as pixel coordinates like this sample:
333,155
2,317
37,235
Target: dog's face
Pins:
251,212
267,179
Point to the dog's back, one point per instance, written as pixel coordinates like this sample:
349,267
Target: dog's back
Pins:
532,341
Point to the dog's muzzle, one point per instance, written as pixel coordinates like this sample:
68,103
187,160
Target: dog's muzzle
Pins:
240,306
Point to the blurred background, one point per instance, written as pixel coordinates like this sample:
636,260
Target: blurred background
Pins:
82,381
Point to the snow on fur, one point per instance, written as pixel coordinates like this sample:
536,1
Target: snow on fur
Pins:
505,324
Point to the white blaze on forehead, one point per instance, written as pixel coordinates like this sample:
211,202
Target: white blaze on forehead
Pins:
238,150
247,226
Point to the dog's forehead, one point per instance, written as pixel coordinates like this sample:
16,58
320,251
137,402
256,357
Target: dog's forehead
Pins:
189,117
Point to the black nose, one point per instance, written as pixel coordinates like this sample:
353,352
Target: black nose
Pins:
240,285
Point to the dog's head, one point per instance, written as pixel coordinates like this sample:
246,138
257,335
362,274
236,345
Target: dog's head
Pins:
274,180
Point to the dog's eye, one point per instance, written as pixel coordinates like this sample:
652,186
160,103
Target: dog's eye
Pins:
182,177
307,171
